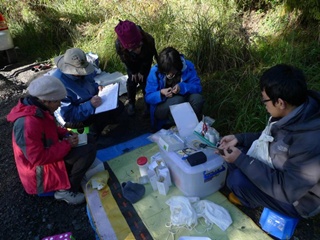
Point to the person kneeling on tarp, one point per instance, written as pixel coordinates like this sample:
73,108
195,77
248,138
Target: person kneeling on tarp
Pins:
47,156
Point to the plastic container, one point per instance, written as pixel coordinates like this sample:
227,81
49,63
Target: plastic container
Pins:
6,41
170,142
143,165
277,224
197,181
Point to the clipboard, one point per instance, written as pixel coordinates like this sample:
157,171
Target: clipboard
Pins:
110,98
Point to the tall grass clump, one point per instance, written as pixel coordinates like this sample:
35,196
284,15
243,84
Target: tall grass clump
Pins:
230,42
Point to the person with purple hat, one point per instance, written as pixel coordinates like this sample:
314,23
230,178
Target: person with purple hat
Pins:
136,49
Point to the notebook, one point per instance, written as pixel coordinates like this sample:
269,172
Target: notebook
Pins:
109,96
83,139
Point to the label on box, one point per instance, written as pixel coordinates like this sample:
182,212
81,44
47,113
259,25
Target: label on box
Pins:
209,175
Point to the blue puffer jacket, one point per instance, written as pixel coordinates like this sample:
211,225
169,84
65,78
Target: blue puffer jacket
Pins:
190,83
76,107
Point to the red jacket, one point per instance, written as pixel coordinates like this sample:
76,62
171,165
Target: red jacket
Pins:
39,149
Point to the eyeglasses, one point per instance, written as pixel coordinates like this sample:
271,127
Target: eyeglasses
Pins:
265,100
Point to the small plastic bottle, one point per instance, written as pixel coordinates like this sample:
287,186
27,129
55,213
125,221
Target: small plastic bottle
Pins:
143,165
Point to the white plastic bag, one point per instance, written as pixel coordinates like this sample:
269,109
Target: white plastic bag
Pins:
182,212
213,214
260,147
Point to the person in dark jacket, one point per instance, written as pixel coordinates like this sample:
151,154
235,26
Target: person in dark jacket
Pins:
281,169
136,49
47,156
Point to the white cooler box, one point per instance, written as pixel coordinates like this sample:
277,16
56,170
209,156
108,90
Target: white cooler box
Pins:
197,181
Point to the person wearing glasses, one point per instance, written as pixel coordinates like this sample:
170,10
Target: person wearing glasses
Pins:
279,168
136,49
78,108
172,81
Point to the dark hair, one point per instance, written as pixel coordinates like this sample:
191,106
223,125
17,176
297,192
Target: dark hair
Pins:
285,82
169,59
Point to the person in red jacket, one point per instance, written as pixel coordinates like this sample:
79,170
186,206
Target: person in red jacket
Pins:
47,156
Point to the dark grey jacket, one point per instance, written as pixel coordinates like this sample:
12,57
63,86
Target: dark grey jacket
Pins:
295,154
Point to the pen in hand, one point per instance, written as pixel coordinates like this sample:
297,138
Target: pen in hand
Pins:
72,139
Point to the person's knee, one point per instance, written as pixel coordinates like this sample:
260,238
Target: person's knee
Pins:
177,99
235,179
196,101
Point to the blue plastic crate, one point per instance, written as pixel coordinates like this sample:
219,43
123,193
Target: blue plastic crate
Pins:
277,224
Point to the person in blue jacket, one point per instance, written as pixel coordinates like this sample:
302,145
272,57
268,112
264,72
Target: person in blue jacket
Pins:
78,108
172,81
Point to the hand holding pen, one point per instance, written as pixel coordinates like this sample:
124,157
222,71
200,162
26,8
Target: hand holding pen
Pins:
72,138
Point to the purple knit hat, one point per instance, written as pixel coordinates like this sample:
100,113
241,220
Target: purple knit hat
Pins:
128,34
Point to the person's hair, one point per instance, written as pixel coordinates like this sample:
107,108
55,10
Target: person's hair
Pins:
285,82
169,59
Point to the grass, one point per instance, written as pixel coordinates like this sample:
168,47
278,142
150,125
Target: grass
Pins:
229,47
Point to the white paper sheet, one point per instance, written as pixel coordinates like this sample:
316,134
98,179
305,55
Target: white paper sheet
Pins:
109,96
105,78
185,118
83,139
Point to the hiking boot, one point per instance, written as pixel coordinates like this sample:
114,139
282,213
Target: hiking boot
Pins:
233,198
131,110
70,197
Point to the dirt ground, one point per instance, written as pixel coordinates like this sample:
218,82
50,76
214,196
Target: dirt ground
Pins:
31,217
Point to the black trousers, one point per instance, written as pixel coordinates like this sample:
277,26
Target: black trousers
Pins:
78,161
97,122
